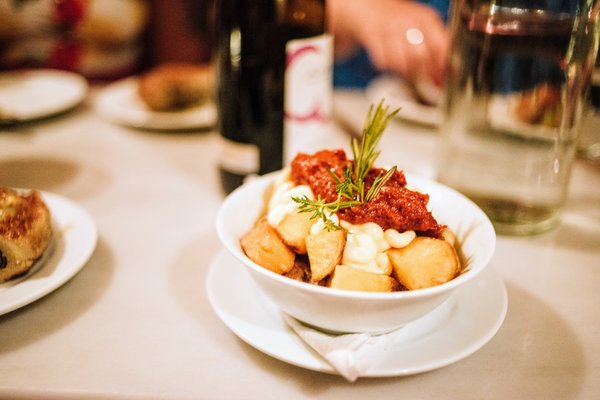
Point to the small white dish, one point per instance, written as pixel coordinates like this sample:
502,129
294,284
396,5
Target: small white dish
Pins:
452,332
32,94
74,240
120,103
398,94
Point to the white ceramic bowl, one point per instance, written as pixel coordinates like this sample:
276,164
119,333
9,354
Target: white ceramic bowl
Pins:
351,311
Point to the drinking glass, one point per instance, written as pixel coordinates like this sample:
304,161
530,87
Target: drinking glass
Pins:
589,140
519,73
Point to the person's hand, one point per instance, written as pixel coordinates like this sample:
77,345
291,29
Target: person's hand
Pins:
400,36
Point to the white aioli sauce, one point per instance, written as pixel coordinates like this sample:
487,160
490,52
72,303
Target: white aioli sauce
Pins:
281,203
365,243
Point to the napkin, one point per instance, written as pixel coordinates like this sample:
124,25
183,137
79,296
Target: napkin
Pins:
350,354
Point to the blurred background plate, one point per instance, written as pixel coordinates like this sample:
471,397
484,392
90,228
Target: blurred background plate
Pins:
503,116
398,93
120,103
31,94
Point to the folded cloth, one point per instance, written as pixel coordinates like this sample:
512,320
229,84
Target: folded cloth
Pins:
350,354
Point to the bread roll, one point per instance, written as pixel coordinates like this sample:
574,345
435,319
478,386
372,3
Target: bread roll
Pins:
176,86
25,231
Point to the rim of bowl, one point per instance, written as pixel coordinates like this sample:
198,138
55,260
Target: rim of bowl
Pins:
465,276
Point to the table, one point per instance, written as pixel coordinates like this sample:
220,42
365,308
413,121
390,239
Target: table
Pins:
135,322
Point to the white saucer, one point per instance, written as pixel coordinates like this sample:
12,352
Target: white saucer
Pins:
398,95
458,328
120,103
74,240
31,94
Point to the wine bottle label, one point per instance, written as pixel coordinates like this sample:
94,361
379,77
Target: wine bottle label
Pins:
238,158
308,94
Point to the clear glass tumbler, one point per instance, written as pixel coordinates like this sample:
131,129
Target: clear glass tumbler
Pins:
589,140
519,74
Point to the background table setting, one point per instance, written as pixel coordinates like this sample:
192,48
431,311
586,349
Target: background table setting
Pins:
139,299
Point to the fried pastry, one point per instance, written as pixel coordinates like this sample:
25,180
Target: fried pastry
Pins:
25,231
540,105
176,86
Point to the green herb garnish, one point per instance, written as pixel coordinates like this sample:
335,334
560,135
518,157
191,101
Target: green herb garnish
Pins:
322,210
351,187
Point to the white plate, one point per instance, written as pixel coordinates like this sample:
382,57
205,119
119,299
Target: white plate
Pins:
398,94
32,94
458,328
74,240
502,115
119,102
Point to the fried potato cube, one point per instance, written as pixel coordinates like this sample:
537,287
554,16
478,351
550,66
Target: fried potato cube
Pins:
263,245
294,228
349,278
300,271
449,236
325,251
424,263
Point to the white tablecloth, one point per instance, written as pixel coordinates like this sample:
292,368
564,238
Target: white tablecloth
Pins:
135,322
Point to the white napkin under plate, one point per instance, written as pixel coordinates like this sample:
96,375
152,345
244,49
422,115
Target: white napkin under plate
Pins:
350,354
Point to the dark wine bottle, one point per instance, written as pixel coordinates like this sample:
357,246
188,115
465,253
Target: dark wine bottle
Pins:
274,74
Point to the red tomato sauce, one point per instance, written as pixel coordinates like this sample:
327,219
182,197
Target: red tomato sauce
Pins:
395,207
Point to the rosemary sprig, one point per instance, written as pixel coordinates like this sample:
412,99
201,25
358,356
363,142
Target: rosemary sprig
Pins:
365,153
320,209
351,187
